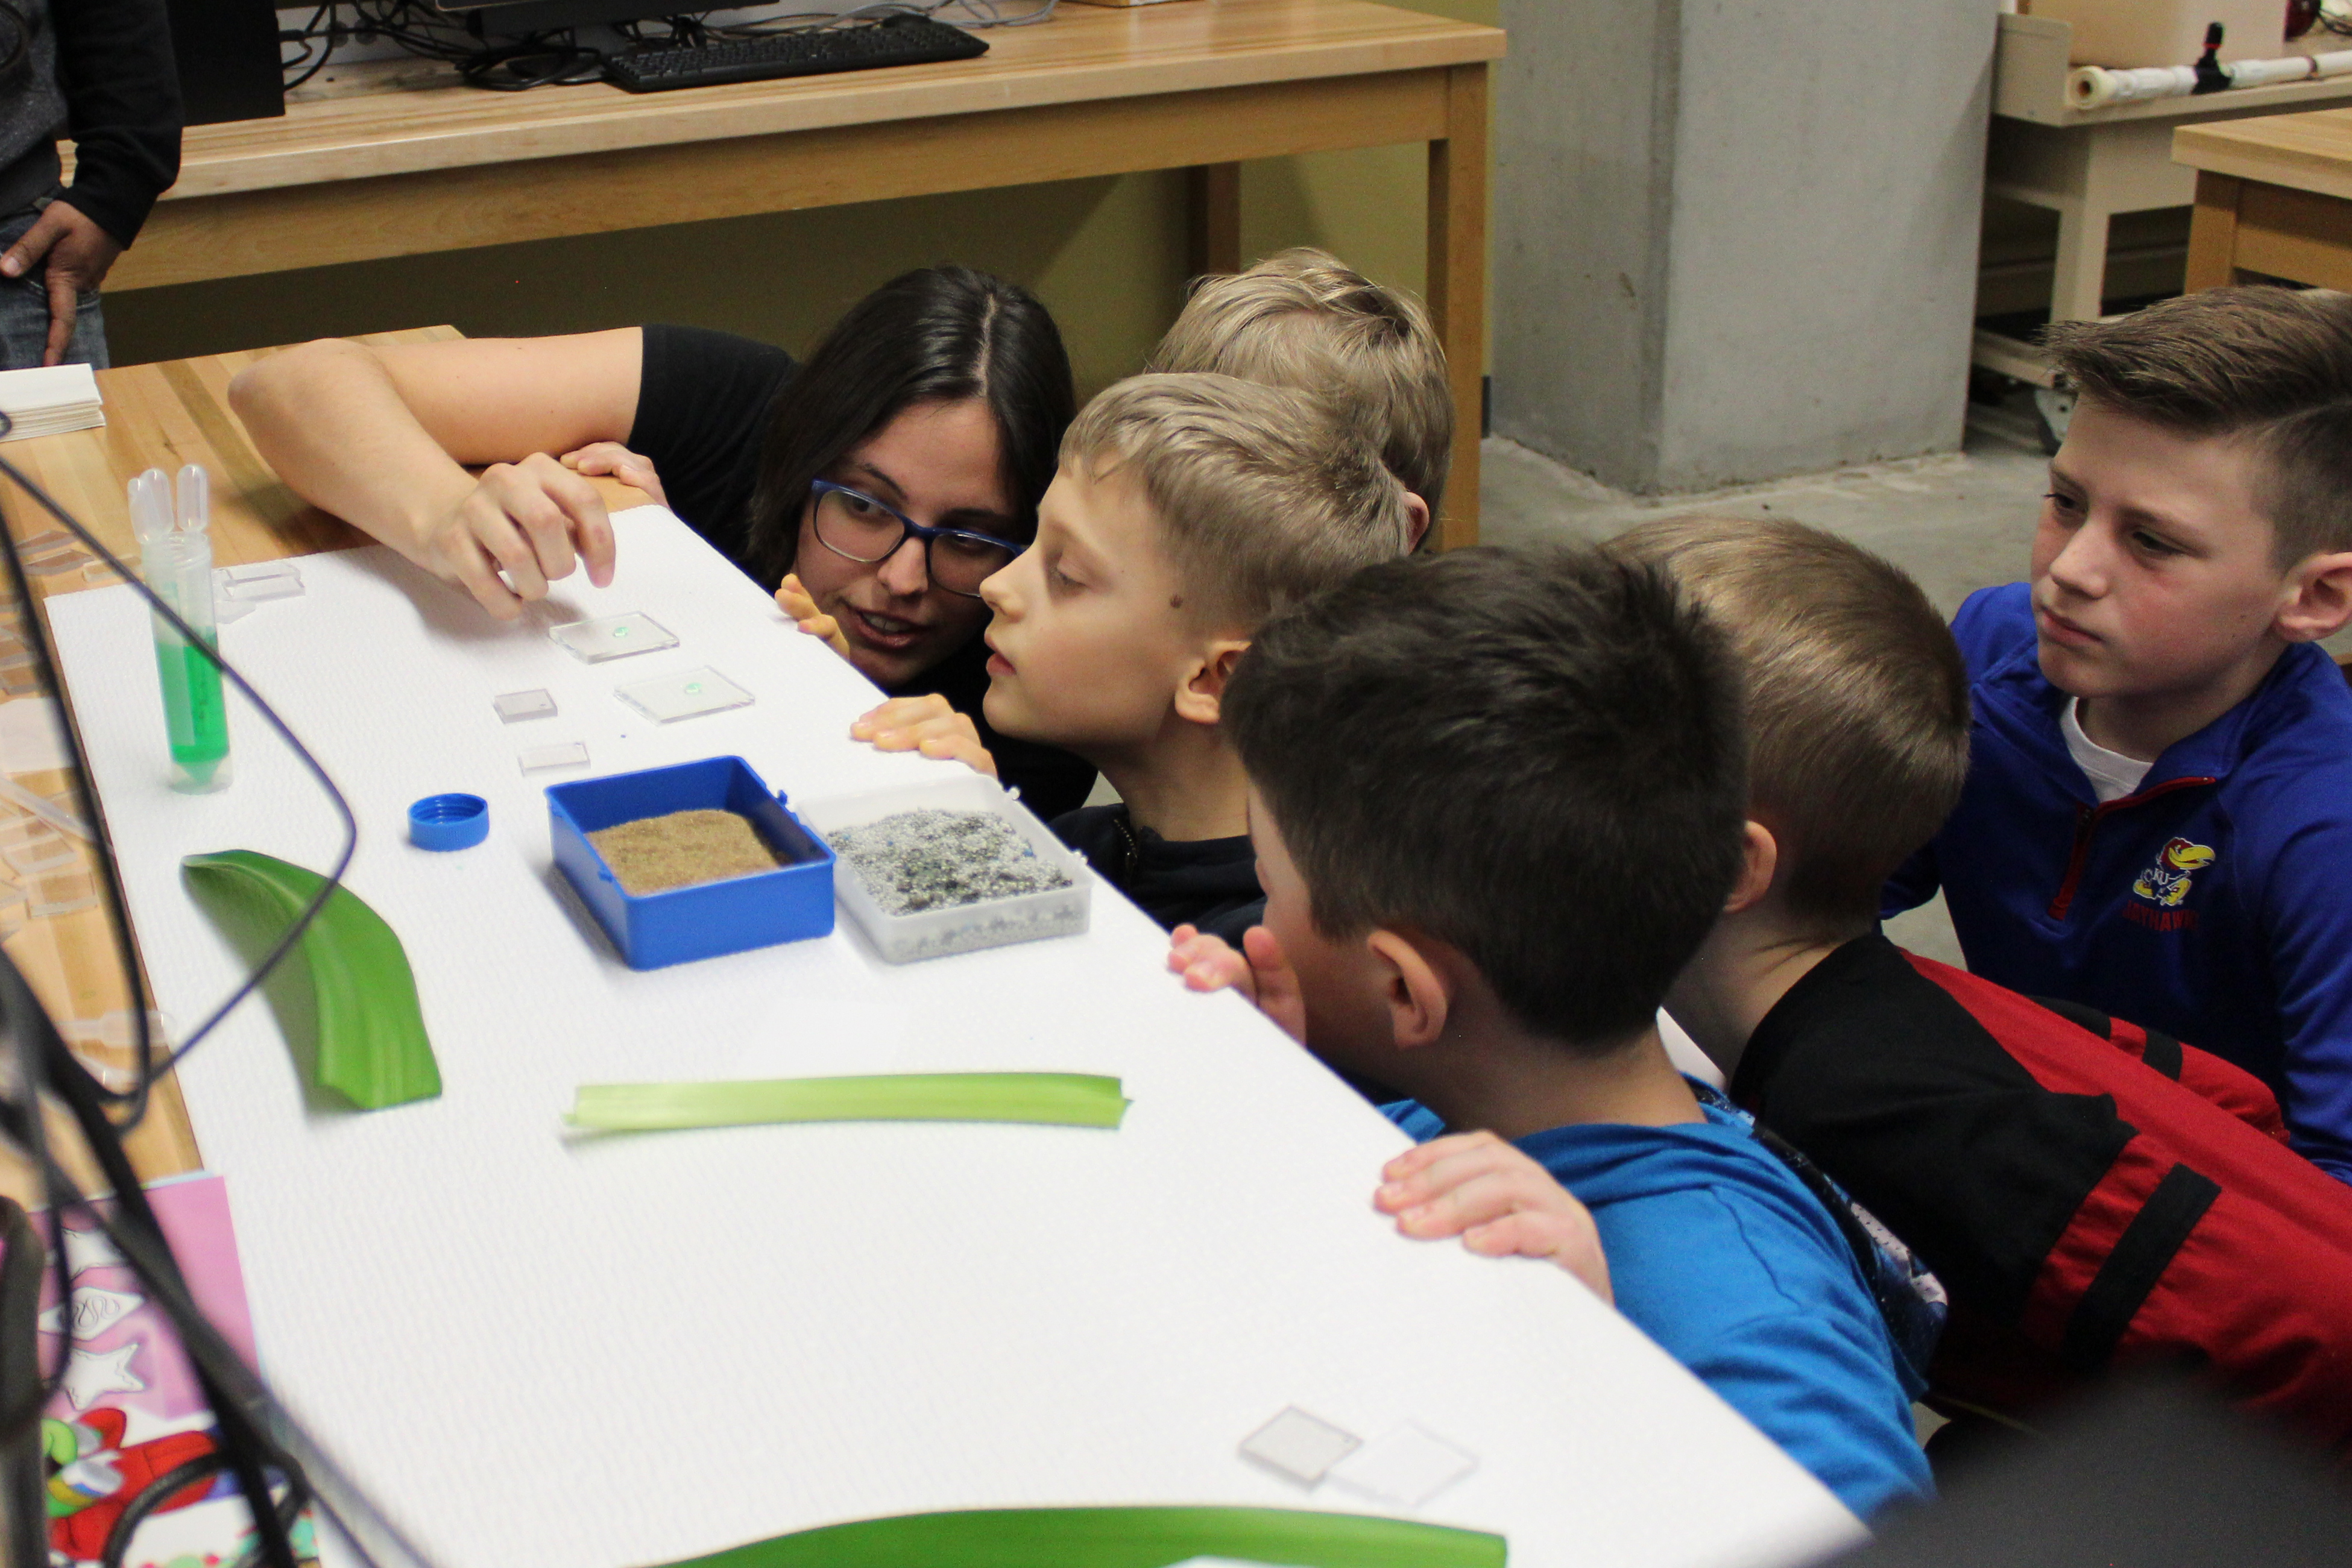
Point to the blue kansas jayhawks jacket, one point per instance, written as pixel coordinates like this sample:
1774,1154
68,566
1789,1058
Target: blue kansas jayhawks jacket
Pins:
2214,903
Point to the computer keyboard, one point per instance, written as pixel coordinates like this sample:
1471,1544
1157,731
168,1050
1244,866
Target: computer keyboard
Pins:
892,41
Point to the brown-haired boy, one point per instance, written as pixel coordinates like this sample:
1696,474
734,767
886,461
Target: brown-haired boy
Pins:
2157,821
1303,319
1496,798
1189,509
2093,1195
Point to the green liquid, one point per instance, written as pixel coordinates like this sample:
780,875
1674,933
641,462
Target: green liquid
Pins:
193,711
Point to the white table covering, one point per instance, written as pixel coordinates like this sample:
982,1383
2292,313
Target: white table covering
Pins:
538,1349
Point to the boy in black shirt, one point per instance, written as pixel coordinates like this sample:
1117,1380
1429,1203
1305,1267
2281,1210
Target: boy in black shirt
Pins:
1188,510
2096,1197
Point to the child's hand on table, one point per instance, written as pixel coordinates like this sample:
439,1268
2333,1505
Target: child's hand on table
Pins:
1259,972
795,601
536,521
612,460
925,724
1497,1199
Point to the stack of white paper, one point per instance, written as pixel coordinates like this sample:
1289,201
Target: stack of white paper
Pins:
49,400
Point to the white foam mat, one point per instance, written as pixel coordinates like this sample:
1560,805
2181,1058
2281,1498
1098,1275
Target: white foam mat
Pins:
629,1350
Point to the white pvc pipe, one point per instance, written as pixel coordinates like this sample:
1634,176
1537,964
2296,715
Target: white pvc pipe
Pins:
2096,87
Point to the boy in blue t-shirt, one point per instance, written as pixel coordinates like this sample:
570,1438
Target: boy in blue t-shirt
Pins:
1498,799
2157,821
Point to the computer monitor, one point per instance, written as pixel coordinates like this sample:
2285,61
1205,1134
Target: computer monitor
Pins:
227,55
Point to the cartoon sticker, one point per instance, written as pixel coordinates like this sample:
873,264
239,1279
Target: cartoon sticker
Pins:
2166,881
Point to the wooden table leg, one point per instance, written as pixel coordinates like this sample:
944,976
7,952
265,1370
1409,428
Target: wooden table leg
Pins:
1457,285
1214,195
2212,234
2079,282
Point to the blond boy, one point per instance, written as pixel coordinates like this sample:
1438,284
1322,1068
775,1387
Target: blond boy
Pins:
1188,509
1302,319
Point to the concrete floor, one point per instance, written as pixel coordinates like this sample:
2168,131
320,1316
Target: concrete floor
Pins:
1956,523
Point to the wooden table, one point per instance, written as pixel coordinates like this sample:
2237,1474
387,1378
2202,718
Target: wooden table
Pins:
2274,199
400,159
934,1318
2089,166
158,416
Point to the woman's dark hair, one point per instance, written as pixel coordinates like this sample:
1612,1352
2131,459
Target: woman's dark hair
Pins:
939,334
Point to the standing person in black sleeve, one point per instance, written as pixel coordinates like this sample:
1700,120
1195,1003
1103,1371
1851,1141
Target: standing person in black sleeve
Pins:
100,71
877,483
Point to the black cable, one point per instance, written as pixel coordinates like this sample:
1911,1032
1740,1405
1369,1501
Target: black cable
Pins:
159,1492
303,35
254,1433
23,1124
88,1098
22,1475
153,1496
247,1415
537,59
248,1451
36,637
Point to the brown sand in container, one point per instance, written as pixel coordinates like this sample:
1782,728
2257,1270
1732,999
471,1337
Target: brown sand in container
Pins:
654,854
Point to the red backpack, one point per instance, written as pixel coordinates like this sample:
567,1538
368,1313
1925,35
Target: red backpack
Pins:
2093,1195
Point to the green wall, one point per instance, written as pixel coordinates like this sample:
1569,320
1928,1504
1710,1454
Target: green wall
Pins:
1107,255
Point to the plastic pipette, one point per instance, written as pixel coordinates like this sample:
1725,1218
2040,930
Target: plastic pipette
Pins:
176,559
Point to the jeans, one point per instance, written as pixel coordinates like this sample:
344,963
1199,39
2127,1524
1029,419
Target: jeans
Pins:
24,313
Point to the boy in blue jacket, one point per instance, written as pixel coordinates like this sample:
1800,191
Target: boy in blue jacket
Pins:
2157,821
1497,800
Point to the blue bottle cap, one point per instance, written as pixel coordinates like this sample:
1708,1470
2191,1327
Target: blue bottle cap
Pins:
449,822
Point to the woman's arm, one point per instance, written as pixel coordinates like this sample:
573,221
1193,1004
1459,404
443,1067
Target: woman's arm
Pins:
379,436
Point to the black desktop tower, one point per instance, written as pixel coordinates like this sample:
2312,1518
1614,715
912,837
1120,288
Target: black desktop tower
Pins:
227,52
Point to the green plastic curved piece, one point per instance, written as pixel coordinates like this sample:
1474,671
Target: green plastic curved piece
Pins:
371,1045
1054,1099
1119,1538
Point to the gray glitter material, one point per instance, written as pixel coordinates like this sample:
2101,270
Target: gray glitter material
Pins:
915,860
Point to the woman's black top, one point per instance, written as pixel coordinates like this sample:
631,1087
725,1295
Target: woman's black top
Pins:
704,400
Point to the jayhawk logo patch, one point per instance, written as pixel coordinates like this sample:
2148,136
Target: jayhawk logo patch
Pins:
2166,882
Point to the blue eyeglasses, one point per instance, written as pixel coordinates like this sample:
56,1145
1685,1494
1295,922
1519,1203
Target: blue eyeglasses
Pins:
852,523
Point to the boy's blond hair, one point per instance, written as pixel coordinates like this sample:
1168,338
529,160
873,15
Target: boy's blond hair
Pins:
1265,496
1857,698
2258,363
1301,318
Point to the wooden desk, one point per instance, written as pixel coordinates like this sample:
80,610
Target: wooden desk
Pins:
2274,199
158,416
401,158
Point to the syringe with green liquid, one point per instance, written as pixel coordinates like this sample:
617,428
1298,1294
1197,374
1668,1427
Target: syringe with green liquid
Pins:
176,559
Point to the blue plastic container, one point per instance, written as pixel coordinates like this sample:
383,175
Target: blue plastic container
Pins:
792,902
447,822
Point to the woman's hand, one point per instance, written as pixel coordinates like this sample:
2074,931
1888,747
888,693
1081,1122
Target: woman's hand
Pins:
795,600
536,521
1259,971
614,461
1497,1199
924,724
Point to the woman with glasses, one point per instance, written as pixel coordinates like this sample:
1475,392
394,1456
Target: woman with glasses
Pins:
885,477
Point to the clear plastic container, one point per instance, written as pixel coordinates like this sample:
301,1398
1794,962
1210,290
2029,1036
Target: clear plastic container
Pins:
967,927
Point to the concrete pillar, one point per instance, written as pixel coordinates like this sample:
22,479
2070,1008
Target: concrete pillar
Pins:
1737,238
